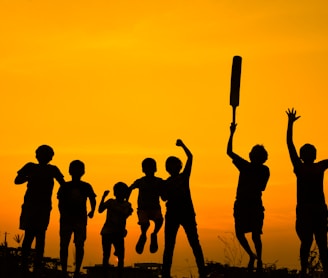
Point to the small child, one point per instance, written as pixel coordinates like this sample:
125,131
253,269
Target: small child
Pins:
180,212
72,197
311,209
36,208
113,231
248,207
148,204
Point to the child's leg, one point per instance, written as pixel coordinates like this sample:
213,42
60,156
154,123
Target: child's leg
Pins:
144,225
158,221
26,247
244,243
304,231
170,233
321,240
39,248
120,250
80,235
256,237
106,247
65,238
190,228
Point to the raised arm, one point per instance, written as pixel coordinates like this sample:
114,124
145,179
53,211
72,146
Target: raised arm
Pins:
102,202
291,113
179,143
230,152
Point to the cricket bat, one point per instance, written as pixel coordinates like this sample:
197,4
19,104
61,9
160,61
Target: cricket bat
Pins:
235,85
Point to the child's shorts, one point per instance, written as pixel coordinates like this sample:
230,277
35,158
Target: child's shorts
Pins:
145,216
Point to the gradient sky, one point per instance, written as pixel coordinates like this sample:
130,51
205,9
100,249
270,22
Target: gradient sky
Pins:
112,82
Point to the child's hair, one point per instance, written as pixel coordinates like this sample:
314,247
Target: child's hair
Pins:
308,153
258,154
76,168
44,153
120,190
173,165
149,165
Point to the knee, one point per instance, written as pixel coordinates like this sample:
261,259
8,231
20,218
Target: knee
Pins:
79,246
256,237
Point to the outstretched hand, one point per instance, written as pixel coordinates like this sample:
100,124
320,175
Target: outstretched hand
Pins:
292,115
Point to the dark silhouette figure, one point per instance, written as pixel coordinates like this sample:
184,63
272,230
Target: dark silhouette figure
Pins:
180,211
311,209
149,208
35,215
113,231
72,197
248,207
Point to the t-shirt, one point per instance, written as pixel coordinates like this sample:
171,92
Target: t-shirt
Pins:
252,180
177,193
72,198
40,184
149,192
310,183
117,213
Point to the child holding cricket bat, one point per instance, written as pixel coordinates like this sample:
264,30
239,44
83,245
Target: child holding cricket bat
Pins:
311,209
248,207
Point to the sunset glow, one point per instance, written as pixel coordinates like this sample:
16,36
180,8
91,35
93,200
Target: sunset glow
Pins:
113,82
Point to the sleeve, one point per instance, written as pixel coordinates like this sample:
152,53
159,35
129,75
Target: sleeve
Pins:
57,174
266,177
90,192
135,184
324,164
239,162
25,170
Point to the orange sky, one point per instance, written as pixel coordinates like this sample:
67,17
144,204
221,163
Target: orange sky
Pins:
112,83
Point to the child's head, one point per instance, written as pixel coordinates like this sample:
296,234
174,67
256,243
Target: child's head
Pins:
149,166
44,154
308,153
173,165
120,190
76,169
258,154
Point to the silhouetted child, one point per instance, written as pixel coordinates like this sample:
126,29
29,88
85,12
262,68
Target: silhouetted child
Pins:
113,231
311,209
248,207
72,197
180,211
148,204
35,215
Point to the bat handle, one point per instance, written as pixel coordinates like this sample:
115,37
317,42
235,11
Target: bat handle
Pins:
234,114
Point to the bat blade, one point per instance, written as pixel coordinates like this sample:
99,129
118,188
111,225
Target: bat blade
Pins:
235,81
